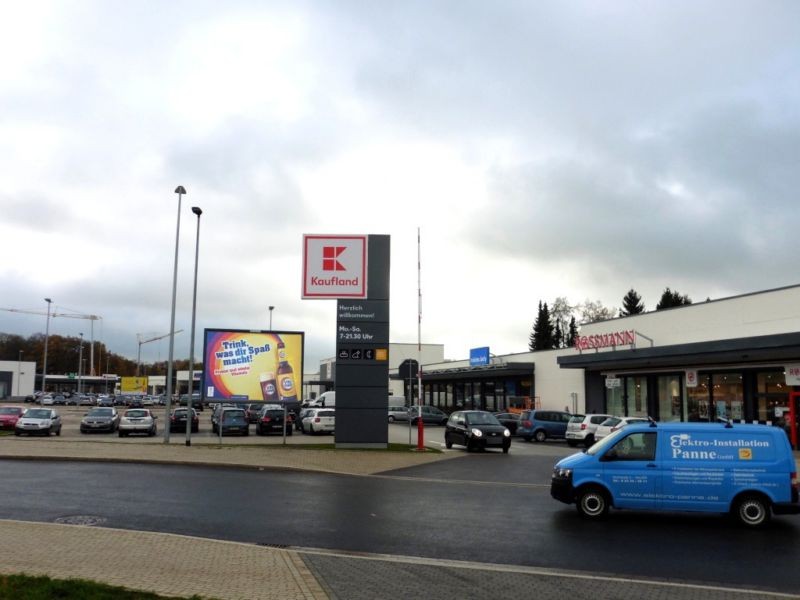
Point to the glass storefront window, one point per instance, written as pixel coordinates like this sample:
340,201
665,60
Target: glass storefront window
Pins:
728,396
670,398
615,401
697,399
636,388
490,401
772,396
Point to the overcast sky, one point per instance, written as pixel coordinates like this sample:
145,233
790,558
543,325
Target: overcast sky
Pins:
544,149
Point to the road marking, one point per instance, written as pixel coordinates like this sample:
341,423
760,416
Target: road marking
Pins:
524,570
461,481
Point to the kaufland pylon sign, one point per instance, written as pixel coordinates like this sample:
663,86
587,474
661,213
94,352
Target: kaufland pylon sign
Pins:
334,266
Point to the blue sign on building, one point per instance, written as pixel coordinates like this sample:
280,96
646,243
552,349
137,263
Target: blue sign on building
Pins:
479,356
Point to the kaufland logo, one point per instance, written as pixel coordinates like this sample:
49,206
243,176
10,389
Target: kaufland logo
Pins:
334,266
329,256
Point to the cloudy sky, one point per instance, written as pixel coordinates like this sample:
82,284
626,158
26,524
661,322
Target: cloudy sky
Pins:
544,149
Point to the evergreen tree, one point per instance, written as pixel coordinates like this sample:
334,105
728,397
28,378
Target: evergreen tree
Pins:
670,299
558,336
572,333
543,329
631,304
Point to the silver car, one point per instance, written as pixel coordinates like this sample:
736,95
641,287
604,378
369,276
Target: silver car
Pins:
137,420
38,421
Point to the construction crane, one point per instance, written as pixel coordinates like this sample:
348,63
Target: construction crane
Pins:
69,315
147,341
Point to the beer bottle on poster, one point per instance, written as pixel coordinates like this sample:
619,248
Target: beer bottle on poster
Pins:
285,376
269,387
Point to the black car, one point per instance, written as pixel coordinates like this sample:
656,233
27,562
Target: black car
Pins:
100,419
477,430
510,420
270,420
252,410
136,402
177,420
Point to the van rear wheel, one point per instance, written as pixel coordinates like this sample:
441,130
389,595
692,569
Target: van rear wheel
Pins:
752,511
592,503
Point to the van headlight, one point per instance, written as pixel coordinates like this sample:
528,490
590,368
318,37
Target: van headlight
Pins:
506,433
477,432
562,473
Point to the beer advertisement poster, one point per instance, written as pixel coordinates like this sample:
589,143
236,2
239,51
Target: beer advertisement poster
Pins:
261,366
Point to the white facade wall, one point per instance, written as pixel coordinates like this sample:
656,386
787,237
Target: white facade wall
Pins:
23,377
760,313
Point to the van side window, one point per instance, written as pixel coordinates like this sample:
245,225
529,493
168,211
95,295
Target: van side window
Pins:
636,446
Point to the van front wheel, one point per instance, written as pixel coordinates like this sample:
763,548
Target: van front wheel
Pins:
752,511
592,503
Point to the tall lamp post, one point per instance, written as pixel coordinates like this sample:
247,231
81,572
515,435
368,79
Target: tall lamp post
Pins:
180,191
46,337
80,363
19,369
189,403
271,308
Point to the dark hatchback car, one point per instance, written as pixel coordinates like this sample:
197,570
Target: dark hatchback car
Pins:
510,420
252,410
233,420
477,430
100,419
270,420
177,420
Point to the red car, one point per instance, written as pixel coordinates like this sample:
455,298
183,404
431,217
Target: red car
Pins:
9,415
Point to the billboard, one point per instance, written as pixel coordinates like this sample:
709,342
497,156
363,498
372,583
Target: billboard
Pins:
133,385
252,365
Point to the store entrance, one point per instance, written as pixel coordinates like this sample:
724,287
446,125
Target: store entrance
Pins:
794,414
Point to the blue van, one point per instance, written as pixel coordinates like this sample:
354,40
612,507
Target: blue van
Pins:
747,471
541,425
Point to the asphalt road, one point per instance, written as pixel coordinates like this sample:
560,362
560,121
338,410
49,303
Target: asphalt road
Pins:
490,508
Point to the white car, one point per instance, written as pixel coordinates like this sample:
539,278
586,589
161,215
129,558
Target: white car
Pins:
47,401
137,420
611,424
320,420
39,421
581,428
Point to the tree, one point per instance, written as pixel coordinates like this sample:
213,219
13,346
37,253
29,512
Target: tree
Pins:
542,335
572,333
631,304
670,299
592,312
558,336
560,313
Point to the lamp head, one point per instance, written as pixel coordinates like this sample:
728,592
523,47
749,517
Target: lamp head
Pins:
197,210
48,300
180,190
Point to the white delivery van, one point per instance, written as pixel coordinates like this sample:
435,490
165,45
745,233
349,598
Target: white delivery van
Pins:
326,400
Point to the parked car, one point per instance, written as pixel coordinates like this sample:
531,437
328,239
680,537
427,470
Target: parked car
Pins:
137,420
430,414
9,415
85,401
177,420
477,430
509,420
39,421
541,425
60,400
100,419
581,428
105,401
135,402
232,420
270,420
611,424
320,420
197,401
252,411
398,413
46,400
218,407
298,421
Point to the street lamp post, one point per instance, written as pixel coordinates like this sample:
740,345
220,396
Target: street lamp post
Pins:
80,363
189,403
46,337
271,308
19,369
180,191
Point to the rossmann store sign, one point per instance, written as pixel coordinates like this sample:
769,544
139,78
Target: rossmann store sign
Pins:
605,340
334,266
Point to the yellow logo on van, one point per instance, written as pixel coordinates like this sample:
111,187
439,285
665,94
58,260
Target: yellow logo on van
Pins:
745,454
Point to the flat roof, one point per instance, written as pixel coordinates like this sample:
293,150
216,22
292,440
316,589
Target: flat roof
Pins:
762,348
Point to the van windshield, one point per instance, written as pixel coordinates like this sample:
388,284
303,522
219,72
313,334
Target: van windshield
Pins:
605,443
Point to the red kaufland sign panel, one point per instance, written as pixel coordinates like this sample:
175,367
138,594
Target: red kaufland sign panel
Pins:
334,266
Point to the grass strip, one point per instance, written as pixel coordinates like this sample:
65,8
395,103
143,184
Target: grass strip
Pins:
27,587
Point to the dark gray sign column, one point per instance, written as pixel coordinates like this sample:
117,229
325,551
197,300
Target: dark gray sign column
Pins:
362,357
